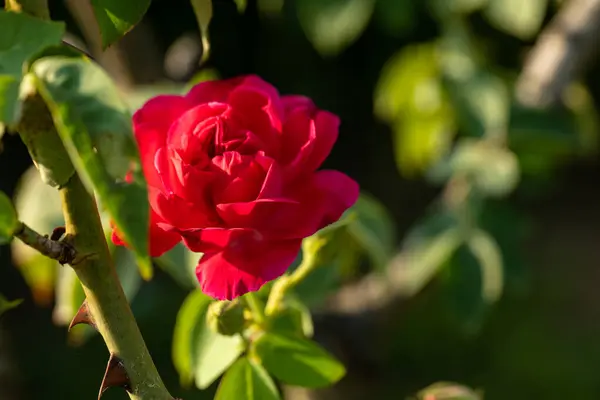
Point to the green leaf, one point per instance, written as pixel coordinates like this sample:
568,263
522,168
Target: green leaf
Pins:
213,354
410,96
204,11
518,18
297,361
21,37
180,263
117,17
487,252
373,230
190,316
247,380
493,170
333,25
426,248
38,205
293,319
200,354
482,102
95,126
447,9
6,305
8,219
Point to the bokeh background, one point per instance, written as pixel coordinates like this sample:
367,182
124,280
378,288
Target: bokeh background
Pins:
426,90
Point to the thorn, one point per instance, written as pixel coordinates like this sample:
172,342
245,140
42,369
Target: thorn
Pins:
83,316
115,376
57,233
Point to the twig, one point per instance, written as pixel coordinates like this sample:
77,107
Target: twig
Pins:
560,53
58,250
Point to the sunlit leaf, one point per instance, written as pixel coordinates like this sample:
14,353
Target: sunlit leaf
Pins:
191,315
200,354
21,37
521,19
39,206
117,17
6,305
95,126
247,380
493,170
8,219
482,102
204,12
213,354
410,96
296,361
333,25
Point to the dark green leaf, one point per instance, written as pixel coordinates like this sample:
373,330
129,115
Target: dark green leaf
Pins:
296,361
487,252
8,219
95,126
21,36
373,230
293,319
247,380
180,263
117,17
190,317
333,25
396,17
425,250
6,305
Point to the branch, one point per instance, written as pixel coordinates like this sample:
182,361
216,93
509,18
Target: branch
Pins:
560,53
58,250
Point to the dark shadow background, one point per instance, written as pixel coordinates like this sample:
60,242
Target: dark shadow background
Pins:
542,341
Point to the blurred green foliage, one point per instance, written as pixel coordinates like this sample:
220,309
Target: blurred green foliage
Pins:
458,172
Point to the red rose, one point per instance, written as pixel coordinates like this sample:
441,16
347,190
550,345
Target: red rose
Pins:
232,170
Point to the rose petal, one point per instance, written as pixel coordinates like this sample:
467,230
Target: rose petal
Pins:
160,239
209,91
319,133
210,240
227,274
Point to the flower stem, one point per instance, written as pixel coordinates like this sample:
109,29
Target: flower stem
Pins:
255,307
104,294
286,283
55,249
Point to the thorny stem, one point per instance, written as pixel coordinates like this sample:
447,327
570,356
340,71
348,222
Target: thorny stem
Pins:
105,298
61,251
104,294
